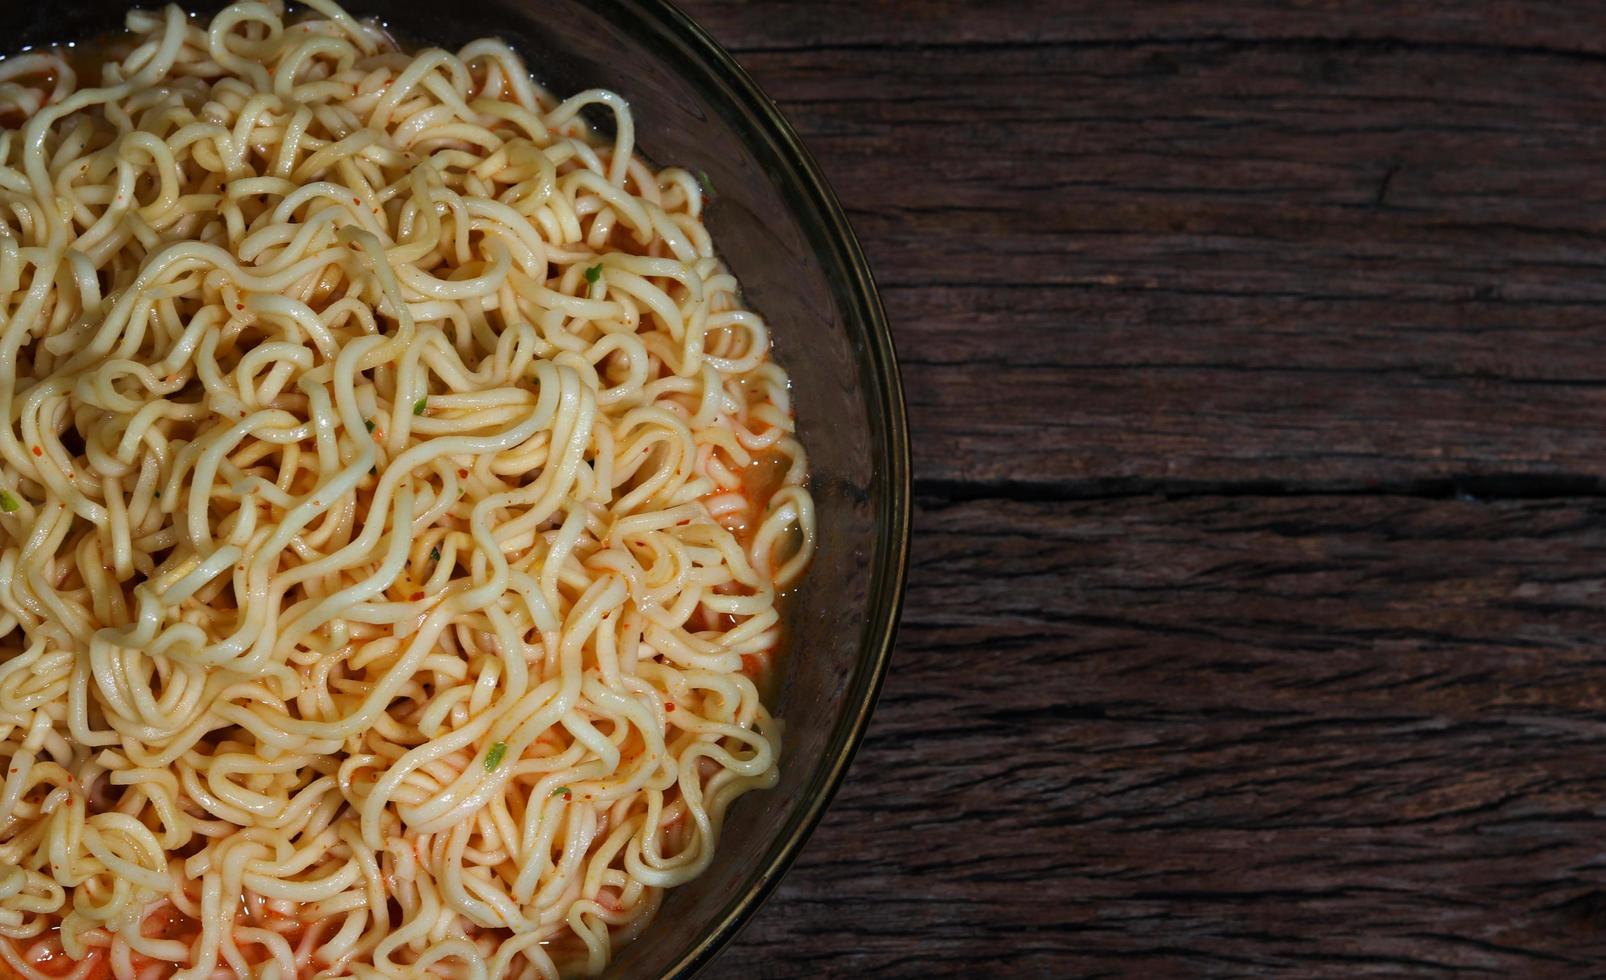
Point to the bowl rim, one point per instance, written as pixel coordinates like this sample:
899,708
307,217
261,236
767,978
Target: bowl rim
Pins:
893,517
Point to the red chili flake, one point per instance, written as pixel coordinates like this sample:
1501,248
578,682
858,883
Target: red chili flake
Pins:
38,451
239,306
462,474
416,596
669,706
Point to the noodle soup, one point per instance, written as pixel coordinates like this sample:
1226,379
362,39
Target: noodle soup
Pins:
395,499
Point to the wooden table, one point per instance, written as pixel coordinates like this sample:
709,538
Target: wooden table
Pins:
1256,360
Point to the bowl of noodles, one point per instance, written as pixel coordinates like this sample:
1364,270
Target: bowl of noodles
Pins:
454,491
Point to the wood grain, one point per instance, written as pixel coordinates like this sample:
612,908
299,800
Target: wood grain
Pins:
1254,355
750,25
1341,261
1167,738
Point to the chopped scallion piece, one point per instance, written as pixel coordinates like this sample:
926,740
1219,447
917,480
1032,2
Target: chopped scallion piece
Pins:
368,424
493,758
434,554
8,503
420,406
594,274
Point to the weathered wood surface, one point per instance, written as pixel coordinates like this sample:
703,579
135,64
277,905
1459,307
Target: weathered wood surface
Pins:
1326,734
1256,356
1311,257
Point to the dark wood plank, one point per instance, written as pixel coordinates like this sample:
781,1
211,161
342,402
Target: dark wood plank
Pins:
1326,281
1176,245
1309,735
749,25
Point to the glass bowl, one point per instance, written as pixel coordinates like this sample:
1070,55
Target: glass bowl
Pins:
783,233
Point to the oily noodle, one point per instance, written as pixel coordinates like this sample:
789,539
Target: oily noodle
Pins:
394,495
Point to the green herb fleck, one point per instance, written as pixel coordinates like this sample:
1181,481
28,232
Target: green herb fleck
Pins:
708,185
434,554
420,406
493,758
561,791
368,424
8,503
594,274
